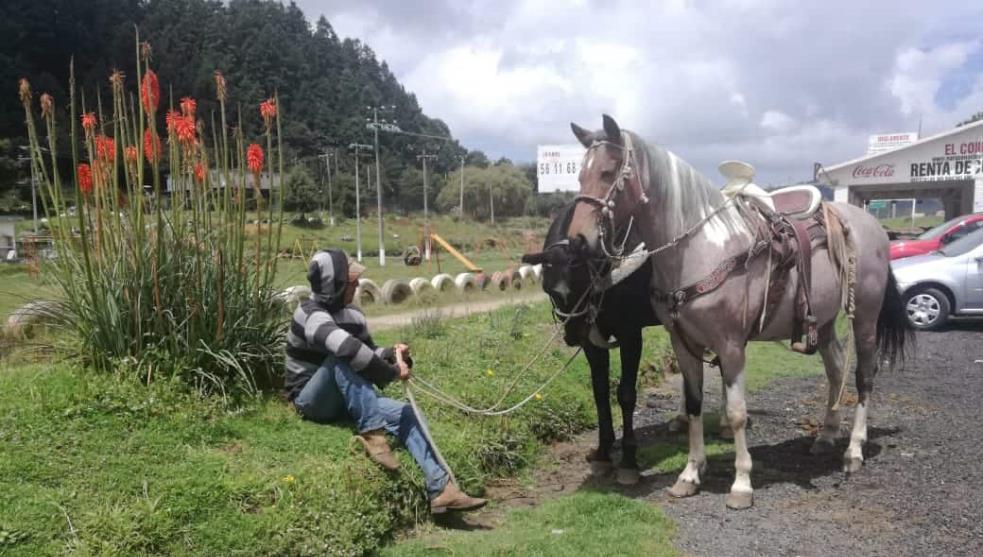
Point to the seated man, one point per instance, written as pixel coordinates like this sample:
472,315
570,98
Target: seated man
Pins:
332,364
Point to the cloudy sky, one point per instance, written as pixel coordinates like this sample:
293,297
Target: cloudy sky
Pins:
777,83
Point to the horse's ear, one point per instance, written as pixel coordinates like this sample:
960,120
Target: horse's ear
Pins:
533,258
612,129
583,136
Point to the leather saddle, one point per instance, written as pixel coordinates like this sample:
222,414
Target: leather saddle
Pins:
793,223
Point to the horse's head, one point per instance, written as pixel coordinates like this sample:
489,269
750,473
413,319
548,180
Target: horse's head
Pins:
566,278
610,187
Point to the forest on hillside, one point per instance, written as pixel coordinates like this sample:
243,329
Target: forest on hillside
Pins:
325,83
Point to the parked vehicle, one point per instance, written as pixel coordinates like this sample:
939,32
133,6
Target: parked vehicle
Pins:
946,282
933,239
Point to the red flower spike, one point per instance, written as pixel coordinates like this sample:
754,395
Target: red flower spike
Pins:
200,173
184,129
105,148
188,106
150,92
151,146
267,109
171,119
47,104
85,178
89,121
254,158
130,154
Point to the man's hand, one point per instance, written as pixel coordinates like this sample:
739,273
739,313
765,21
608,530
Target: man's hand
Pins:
401,348
404,368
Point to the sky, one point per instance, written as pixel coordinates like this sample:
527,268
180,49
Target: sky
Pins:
779,84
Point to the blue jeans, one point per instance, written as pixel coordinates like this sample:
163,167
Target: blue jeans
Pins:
336,388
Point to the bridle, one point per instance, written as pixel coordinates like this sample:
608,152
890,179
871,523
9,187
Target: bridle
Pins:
607,204
590,301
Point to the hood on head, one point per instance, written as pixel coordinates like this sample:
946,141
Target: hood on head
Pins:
328,275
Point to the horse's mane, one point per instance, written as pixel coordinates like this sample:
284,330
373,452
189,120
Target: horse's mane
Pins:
560,225
686,195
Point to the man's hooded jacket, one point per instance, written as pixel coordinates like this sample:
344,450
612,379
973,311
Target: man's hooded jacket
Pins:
324,326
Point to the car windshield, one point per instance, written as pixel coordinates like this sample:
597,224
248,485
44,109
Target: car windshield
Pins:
933,233
963,245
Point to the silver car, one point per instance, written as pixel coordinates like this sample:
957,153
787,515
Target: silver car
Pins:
947,282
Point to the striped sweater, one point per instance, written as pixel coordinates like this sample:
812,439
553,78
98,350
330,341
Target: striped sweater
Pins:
316,333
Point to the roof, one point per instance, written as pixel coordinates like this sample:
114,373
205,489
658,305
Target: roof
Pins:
929,139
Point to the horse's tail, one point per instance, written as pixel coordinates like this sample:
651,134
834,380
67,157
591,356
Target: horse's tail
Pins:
894,331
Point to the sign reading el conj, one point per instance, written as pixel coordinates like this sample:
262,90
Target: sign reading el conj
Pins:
558,167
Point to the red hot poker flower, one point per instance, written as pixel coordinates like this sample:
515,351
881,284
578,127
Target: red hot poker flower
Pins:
254,158
47,104
105,148
171,119
150,91
200,173
89,121
151,146
85,178
267,109
184,128
130,154
188,106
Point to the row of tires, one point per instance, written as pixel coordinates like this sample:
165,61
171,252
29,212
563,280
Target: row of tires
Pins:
398,291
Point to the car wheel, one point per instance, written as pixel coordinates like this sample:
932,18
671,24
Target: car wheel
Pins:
927,309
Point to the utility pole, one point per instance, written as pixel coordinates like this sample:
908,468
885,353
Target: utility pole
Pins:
461,210
34,189
327,164
491,200
358,207
426,213
374,124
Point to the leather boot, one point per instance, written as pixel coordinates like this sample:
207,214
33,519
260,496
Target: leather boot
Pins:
377,448
453,499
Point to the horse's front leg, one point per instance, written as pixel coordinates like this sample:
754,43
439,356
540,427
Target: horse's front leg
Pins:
732,360
599,360
691,367
631,355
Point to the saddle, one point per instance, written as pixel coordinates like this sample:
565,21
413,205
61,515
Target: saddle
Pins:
790,221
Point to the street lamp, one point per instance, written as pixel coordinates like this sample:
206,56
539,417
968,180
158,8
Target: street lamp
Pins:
426,214
327,163
461,209
358,147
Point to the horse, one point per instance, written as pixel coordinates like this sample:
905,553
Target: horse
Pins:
716,284
569,283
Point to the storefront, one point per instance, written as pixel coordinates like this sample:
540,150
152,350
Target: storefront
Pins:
947,167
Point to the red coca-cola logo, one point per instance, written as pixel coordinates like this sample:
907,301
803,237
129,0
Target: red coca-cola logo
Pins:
878,171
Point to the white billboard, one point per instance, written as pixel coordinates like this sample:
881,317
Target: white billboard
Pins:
887,141
558,167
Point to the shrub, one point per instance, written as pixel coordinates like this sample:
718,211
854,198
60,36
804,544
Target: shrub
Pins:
181,290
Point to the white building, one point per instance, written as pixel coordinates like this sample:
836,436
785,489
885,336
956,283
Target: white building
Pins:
947,166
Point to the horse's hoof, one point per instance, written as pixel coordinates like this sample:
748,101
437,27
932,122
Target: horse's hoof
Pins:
852,465
628,476
600,467
678,424
726,433
683,488
821,446
738,500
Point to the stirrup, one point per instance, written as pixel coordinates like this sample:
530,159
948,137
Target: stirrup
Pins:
812,337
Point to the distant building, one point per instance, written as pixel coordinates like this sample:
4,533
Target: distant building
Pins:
8,236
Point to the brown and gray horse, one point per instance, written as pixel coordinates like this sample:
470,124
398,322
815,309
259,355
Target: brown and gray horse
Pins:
691,233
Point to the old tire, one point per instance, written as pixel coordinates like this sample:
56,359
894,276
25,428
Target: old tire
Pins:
927,308
368,292
481,281
396,291
465,283
442,282
420,285
22,321
537,271
500,280
515,279
527,273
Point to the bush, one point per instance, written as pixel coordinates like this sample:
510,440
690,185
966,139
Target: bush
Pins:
186,290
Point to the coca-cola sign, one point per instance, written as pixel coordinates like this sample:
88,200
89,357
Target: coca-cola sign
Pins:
875,171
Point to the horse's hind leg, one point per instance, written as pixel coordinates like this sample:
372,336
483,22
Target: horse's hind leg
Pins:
691,367
599,360
631,354
831,351
865,331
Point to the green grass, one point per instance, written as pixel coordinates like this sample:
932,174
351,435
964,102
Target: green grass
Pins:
586,523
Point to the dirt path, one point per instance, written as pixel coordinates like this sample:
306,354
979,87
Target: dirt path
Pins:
396,320
920,492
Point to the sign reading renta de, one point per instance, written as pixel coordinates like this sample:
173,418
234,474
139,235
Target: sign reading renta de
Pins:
887,141
558,167
957,157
